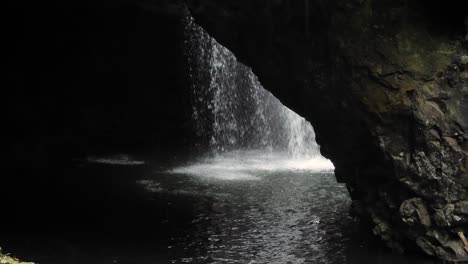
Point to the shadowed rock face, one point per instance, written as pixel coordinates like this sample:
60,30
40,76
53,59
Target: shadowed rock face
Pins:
385,85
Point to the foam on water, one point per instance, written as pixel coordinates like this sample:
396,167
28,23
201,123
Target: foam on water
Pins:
249,165
123,160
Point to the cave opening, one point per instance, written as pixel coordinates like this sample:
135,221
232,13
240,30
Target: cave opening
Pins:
163,150
133,136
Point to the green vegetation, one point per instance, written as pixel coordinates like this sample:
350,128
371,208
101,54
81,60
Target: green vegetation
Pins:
6,259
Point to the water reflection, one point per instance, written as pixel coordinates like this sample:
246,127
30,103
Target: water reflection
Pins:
274,212
121,213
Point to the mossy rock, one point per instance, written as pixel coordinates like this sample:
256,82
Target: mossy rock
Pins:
5,259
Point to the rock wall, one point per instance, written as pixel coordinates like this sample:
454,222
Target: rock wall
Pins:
385,85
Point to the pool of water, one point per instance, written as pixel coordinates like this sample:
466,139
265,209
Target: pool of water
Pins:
240,207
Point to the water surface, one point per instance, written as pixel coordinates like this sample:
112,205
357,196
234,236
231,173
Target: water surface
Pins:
239,207
267,208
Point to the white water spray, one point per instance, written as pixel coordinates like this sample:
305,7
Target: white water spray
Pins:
237,115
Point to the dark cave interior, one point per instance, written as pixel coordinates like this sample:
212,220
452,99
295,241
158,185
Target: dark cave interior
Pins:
100,77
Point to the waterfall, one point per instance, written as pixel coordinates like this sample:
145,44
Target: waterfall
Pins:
232,110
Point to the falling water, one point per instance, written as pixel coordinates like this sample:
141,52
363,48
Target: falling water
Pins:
263,194
232,108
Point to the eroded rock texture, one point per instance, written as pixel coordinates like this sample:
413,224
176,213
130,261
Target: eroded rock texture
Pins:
385,85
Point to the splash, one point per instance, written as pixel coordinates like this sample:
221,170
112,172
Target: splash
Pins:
249,133
233,110
251,165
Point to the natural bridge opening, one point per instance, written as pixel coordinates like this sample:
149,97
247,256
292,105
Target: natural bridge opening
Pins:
134,137
237,122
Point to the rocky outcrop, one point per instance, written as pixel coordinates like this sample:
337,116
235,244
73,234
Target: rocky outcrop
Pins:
385,85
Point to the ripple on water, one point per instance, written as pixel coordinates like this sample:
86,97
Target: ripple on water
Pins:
263,209
257,214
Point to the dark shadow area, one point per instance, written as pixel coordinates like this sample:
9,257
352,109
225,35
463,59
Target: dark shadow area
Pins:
92,77
100,214
445,17
85,78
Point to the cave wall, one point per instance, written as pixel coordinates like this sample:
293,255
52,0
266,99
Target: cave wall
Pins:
87,77
384,84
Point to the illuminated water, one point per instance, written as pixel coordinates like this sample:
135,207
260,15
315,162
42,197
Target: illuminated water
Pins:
245,165
252,207
231,109
265,207
239,207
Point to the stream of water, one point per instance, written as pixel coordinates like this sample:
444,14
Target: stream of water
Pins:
232,110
